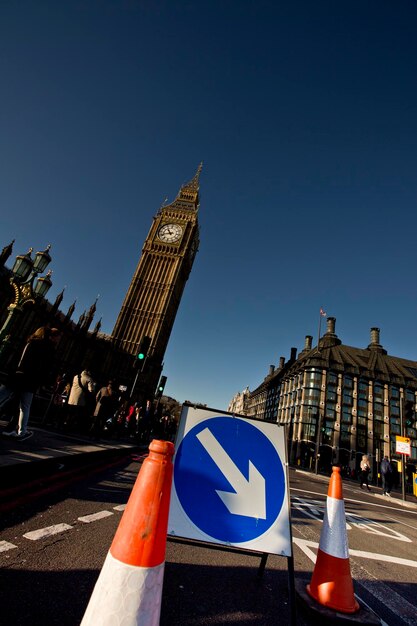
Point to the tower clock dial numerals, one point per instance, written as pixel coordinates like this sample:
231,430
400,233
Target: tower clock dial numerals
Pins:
170,233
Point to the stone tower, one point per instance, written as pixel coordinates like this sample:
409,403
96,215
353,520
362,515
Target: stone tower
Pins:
154,294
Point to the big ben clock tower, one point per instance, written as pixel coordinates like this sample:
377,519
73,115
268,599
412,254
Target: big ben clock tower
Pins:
154,295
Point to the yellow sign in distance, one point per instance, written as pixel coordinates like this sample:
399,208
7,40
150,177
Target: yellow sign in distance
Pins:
403,445
402,439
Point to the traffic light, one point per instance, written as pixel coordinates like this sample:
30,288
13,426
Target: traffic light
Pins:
143,351
409,413
161,386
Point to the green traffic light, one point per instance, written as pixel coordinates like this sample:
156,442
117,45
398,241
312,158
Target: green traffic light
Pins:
141,356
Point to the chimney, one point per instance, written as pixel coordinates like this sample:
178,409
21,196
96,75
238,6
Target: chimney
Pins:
308,342
375,345
271,370
330,338
374,336
293,354
331,325
281,362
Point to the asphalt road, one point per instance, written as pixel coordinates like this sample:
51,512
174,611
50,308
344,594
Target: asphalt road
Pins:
49,579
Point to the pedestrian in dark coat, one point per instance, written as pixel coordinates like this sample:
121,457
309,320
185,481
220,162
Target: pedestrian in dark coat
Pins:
105,408
386,475
33,370
144,423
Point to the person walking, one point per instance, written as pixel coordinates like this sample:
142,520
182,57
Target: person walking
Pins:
365,469
144,423
386,475
105,408
83,386
32,371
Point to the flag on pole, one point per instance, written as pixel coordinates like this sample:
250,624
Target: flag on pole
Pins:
323,313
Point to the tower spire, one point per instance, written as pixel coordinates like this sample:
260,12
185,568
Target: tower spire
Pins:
6,252
189,191
194,183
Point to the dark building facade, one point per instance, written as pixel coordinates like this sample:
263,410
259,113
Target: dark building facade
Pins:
79,338
342,401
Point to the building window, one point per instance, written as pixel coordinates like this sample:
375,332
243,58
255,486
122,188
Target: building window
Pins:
309,431
363,389
313,378
331,396
312,396
378,410
347,398
332,379
379,429
378,392
310,415
348,382
346,416
395,393
330,412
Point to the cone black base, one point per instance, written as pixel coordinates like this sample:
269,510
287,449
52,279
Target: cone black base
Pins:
329,616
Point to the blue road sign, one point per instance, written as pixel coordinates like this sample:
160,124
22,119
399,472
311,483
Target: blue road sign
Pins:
229,478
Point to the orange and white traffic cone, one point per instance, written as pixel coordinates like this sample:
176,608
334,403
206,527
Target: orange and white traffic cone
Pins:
128,591
331,584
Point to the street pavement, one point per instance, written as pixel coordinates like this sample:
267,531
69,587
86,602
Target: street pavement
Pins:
51,444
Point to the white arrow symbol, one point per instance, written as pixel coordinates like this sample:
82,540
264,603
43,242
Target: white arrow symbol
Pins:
250,498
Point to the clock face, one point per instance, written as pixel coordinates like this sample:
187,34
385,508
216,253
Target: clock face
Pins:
169,233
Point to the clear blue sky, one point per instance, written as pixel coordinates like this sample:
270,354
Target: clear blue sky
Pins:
305,116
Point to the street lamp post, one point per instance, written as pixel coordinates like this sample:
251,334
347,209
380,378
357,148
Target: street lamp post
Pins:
24,272
402,430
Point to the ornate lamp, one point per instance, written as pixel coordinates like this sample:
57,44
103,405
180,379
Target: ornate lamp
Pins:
23,266
42,260
43,285
24,272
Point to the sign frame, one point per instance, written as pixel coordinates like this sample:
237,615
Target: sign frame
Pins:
276,538
209,542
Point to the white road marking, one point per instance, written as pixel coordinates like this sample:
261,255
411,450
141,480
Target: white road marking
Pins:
48,531
304,545
5,546
374,504
95,516
315,510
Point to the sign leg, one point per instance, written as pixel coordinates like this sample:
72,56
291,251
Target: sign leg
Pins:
262,564
291,591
